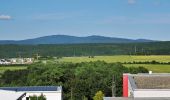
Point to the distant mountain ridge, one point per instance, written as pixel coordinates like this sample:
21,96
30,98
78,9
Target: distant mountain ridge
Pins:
65,39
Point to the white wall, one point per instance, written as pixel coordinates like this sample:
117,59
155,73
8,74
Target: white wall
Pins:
152,93
9,95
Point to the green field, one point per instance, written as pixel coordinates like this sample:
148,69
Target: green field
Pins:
156,68
111,59
5,68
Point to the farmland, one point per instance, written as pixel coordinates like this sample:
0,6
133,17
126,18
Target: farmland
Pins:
122,59
157,68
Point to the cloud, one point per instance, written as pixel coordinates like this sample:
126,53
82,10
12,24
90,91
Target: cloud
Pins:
131,1
5,17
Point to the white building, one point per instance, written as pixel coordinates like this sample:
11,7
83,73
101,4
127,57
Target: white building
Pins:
4,62
23,93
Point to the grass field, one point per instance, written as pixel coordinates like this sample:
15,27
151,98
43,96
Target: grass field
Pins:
122,59
156,68
4,68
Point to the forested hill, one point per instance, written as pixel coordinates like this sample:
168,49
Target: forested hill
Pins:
155,48
65,39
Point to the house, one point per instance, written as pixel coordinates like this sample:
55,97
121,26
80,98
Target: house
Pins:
23,93
13,60
4,62
21,60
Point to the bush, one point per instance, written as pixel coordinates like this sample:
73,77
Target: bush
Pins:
98,96
41,97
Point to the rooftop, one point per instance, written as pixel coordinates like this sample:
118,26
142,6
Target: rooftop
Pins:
150,81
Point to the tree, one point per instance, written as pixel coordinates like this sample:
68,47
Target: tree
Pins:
98,96
41,97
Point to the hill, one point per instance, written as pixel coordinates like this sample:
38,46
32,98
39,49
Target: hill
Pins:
65,39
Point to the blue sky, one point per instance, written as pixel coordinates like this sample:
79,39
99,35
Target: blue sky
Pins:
24,19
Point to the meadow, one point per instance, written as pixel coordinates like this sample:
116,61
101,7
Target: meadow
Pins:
156,68
5,68
122,59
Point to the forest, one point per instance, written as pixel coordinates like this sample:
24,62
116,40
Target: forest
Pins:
80,81
152,48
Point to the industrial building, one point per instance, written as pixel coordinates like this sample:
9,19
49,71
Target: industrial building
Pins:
146,85
149,86
24,93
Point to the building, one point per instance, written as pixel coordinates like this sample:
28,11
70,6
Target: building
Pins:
146,85
149,86
23,93
4,62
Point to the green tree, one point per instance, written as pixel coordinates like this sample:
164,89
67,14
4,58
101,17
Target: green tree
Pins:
41,97
98,96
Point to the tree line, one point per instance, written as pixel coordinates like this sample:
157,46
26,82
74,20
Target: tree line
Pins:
154,48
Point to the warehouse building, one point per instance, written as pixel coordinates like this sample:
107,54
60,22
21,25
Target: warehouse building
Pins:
146,85
149,86
24,93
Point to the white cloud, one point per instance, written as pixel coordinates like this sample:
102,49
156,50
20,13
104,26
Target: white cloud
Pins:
131,1
5,17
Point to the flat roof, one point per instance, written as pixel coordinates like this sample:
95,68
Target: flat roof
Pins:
32,88
150,81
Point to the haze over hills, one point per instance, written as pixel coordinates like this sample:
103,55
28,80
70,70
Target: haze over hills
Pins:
65,39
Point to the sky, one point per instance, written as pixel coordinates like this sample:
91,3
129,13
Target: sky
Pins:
133,19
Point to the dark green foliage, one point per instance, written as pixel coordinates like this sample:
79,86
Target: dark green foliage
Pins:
79,81
153,48
147,62
18,77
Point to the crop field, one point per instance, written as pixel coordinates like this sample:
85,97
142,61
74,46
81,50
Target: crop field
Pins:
111,59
